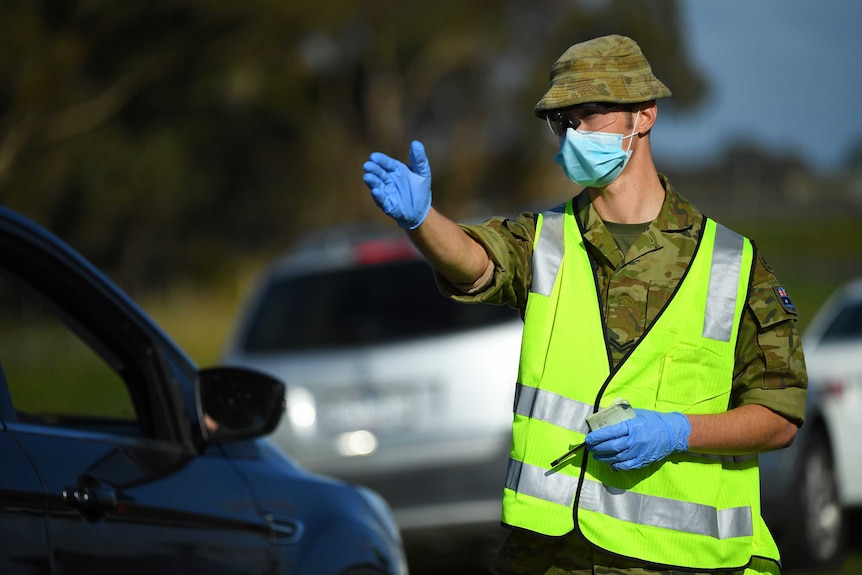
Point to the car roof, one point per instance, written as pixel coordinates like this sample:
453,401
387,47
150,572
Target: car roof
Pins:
852,289
345,246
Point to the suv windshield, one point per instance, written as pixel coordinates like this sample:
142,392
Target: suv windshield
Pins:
360,306
847,325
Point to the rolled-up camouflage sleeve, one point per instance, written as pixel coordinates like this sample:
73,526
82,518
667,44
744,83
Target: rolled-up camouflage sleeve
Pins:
770,366
509,243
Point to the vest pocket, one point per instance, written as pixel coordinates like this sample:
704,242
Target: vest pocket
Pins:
688,381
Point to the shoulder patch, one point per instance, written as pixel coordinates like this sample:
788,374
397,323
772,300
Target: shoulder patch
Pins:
784,299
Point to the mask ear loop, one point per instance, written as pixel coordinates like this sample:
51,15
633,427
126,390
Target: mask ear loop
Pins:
550,127
631,136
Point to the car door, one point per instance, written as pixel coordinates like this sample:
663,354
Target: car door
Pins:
104,429
22,514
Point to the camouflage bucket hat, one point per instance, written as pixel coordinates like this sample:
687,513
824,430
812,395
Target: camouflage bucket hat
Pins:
605,69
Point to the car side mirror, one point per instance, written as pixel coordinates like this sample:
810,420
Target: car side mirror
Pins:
238,403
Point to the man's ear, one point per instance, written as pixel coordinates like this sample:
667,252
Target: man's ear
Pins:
647,117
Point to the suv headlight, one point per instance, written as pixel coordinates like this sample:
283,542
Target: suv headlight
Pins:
301,410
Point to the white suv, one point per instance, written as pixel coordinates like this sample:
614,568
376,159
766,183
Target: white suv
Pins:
833,355
808,488
392,385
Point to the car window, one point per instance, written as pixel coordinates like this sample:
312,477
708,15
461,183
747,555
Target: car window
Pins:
360,306
54,375
847,324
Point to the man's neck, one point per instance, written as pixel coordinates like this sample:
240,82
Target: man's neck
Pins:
628,206
635,197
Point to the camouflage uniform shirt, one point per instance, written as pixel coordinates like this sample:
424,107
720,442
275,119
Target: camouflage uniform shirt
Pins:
769,368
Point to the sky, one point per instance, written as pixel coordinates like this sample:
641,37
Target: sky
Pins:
785,74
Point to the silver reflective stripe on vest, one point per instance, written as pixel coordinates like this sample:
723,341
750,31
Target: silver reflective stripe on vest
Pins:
667,513
530,480
552,408
723,284
548,253
572,415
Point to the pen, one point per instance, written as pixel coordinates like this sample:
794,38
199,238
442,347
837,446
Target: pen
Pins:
567,454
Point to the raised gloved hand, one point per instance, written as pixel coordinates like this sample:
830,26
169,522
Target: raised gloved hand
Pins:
402,193
648,437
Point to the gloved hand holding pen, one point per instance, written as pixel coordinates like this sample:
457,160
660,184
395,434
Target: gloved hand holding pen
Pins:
648,437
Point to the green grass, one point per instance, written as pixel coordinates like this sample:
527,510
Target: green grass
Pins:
198,320
812,258
45,366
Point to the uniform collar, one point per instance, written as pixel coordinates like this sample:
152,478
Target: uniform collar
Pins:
677,215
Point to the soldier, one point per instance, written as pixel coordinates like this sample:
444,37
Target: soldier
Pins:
630,296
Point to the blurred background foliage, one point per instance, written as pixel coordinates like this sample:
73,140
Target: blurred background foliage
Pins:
180,144
168,140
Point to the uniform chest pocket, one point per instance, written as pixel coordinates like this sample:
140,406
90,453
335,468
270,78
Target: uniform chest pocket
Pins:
659,294
625,310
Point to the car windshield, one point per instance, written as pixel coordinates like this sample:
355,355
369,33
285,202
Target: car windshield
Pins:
361,306
847,324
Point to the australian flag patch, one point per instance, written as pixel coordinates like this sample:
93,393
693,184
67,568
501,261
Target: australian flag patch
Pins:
786,303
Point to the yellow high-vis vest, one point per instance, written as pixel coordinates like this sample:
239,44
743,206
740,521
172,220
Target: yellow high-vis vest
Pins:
690,511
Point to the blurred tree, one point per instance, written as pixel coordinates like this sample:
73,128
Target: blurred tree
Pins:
167,139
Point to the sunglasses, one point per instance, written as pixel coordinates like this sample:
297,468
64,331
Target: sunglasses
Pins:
561,120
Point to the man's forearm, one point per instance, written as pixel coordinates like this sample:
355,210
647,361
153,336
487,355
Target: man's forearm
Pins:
453,253
745,429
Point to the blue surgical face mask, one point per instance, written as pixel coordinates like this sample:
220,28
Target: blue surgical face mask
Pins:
594,159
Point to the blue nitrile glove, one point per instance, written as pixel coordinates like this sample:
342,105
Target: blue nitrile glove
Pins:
402,193
648,437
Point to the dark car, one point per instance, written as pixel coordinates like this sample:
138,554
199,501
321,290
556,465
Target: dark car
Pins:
120,456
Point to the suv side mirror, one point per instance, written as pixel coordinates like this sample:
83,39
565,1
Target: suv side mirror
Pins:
238,403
